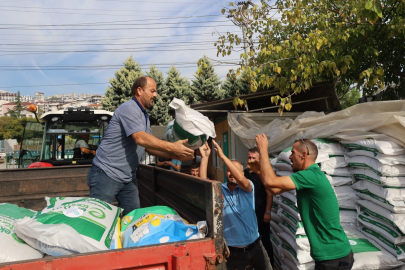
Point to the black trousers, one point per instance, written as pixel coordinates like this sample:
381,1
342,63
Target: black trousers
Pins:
264,231
256,257
345,263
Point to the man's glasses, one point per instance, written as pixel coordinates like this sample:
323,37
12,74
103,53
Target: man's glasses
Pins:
305,145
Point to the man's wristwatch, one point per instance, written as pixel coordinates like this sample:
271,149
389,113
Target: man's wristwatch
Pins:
268,212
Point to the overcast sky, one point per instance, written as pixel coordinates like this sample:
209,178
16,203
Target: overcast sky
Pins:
75,46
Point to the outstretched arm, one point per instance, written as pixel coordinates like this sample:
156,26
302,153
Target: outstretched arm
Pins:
205,151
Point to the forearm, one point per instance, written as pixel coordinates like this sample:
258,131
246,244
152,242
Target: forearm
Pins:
176,167
203,168
161,154
237,174
267,174
152,143
269,200
85,150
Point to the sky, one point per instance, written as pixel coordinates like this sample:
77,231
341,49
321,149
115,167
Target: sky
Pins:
75,46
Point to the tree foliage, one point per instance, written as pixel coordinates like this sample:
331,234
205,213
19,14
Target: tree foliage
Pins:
120,89
300,42
12,127
15,112
159,115
233,87
177,87
206,85
350,98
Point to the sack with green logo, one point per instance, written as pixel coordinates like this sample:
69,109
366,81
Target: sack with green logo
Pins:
188,124
383,147
13,248
70,225
368,255
372,176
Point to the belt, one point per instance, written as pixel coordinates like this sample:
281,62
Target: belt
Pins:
247,248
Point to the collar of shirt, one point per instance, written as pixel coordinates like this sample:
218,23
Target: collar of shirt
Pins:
142,109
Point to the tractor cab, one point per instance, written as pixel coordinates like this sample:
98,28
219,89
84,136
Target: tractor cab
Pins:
54,140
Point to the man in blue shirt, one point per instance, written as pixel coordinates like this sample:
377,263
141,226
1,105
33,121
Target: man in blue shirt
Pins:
128,136
240,223
175,165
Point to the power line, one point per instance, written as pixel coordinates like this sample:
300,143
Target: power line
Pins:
47,85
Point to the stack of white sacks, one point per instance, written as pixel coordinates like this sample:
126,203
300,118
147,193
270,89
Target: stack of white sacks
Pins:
290,244
379,170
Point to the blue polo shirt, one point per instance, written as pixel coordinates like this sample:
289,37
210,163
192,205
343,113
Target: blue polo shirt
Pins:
175,162
118,155
240,222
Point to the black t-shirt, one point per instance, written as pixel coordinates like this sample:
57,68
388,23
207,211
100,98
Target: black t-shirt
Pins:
162,160
260,192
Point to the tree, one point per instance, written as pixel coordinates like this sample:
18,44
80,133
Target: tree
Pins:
205,86
234,87
177,87
350,42
159,115
120,89
350,98
15,112
12,127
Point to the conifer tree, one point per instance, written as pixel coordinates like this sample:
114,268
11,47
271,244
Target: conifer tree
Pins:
159,114
205,86
235,88
177,87
15,112
120,89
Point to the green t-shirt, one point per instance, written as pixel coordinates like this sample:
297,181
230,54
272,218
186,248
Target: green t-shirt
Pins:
319,212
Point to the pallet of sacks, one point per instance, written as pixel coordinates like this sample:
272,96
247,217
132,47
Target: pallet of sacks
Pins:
379,170
290,244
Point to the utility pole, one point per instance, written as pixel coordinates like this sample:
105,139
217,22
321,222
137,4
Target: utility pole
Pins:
243,22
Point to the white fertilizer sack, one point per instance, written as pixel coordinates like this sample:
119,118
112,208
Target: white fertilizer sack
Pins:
339,180
368,255
276,217
286,153
284,173
13,248
289,196
275,244
295,224
333,162
376,211
283,166
290,207
70,225
338,172
346,197
385,181
291,250
383,158
347,216
391,233
391,196
376,166
330,147
384,147
188,124
276,228
398,251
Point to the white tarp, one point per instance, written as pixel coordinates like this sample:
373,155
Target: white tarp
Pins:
382,120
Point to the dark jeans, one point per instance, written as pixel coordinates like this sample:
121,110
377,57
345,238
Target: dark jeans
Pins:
256,257
264,231
105,188
345,263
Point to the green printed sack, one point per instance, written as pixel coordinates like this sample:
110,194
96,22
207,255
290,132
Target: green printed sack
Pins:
368,255
383,147
391,233
331,147
372,176
70,225
376,166
13,248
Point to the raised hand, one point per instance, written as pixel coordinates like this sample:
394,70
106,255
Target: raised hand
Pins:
218,150
262,142
205,150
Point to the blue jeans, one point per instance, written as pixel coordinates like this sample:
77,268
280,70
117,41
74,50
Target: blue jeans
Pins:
106,189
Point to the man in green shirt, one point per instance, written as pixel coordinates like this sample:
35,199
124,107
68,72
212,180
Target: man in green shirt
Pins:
316,200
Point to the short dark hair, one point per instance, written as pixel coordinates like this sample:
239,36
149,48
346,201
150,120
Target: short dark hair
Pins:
313,150
140,82
194,165
254,150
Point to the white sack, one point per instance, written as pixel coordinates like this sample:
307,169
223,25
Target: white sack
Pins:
385,181
376,211
283,166
383,158
346,197
297,225
70,225
391,233
286,153
284,173
347,216
376,166
393,196
330,147
289,196
290,207
13,248
339,180
333,162
398,251
291,250
383,147
189,124
368,255
338,172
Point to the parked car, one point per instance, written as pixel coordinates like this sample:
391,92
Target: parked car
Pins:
2,157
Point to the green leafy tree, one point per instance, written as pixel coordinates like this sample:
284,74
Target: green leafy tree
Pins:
15,112
120,89
350,98
159,115
205,86
352,42
12,127
177,87
234,87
